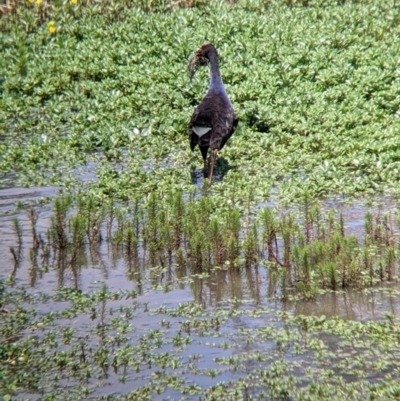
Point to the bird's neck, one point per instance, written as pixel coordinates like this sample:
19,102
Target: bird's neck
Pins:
215,76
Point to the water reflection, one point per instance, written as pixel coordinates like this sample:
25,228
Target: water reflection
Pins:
222,167
33,262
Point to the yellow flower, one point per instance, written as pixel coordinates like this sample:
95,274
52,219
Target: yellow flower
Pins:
39,2
74,2
52,26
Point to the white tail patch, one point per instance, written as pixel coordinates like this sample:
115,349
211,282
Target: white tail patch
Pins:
200,131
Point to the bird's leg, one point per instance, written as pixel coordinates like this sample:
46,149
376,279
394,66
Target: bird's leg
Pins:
205,167
213,158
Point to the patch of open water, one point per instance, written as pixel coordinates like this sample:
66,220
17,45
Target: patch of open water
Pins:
245,289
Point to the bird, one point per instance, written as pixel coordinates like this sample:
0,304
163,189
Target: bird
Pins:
213,121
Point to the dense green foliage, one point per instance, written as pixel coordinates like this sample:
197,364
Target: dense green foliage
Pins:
102,85
316,89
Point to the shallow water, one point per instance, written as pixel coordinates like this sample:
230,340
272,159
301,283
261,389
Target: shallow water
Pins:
108,264
244,290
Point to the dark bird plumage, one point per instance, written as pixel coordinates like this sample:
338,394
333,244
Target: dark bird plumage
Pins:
213,121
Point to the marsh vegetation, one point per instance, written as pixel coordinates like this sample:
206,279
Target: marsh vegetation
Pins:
125,276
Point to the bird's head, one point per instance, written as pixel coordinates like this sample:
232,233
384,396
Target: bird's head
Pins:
201,57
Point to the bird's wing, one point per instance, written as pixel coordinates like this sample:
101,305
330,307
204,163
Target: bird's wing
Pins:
223,128
230,132
212,123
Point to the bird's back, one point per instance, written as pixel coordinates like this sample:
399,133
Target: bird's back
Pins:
213,121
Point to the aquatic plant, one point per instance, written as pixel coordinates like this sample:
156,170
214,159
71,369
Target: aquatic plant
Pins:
317,100
96,101
305,249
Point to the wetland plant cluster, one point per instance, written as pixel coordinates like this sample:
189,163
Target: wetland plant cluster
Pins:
94,346
315,88
315,84
305,249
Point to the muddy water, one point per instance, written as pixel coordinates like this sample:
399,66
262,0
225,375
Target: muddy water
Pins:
107,264
14,204
246,290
